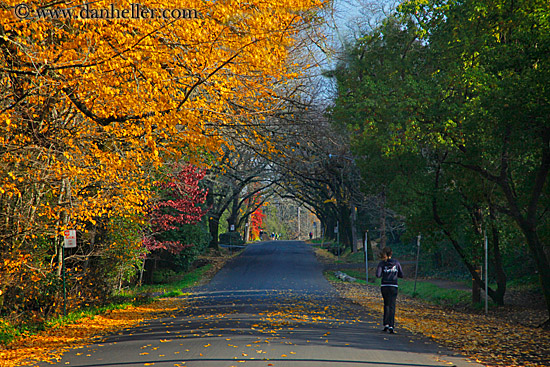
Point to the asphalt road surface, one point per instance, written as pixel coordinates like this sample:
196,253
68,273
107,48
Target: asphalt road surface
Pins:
270,306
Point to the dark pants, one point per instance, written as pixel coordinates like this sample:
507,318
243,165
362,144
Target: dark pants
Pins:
390,296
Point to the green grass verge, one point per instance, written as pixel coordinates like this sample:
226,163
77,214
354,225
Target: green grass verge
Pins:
434,294
424,290
172,289
355,258
90,312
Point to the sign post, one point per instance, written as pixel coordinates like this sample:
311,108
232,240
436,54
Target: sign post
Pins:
69,241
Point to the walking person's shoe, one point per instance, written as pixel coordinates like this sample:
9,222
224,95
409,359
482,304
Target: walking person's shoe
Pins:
386,328
390,329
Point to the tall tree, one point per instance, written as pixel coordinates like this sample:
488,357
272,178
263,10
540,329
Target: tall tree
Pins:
498,102
459,90
91,108
394,73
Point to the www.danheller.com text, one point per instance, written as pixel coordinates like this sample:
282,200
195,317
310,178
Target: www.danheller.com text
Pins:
85,11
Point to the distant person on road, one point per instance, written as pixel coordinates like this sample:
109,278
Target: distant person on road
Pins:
389,270
310,235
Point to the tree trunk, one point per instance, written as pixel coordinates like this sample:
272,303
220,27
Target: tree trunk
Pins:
233,215
370,253
543,266
345,226
528,221
382,219
213,228
353,229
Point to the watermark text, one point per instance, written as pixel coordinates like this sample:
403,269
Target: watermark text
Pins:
134,11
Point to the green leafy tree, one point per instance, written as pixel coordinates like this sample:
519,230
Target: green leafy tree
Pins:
494,72
464,86
397,97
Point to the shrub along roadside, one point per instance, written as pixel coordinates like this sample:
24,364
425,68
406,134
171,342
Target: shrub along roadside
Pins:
131,297
180,281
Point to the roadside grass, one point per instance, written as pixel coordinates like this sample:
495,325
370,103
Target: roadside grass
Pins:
435,294
172,288
91,312
354,258
424,290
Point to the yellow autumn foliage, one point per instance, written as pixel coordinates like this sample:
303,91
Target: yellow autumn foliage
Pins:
90,107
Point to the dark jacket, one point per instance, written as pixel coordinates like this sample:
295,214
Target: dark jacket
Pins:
389,270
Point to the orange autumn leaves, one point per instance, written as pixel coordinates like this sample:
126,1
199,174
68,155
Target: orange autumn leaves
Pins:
52,343
485,339
108,99
90,110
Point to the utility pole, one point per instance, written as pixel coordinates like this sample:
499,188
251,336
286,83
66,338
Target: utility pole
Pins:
366,255
417,260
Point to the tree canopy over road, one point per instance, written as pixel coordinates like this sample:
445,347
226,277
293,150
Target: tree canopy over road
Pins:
149,137
91,111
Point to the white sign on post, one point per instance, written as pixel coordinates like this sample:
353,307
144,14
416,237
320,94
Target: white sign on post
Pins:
70,238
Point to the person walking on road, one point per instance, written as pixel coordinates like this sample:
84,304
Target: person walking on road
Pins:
389,270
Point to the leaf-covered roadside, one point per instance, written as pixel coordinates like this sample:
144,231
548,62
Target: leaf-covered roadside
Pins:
52,343
487,339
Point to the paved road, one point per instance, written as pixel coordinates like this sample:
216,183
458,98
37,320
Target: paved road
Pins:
270,306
